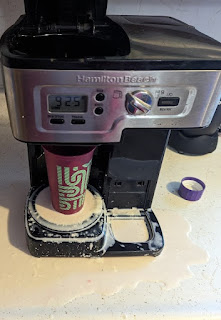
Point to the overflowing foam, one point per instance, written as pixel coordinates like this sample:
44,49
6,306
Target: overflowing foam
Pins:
56,281
43,205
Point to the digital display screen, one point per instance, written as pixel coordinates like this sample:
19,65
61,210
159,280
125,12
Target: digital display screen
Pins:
67,103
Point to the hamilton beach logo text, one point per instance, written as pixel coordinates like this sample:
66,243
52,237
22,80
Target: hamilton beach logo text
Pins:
110,79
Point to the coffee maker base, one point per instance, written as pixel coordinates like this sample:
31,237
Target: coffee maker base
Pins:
94,239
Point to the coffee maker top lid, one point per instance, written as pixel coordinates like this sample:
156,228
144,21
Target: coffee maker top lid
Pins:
64,11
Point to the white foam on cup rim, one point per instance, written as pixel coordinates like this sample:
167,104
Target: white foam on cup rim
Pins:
192,185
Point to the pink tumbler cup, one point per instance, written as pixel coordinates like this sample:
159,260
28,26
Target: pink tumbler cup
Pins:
68,173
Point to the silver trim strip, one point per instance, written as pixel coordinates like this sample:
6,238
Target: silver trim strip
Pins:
26,90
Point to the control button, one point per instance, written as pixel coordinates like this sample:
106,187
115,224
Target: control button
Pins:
139,102
168,102
57,121
100,97
78,121
98,111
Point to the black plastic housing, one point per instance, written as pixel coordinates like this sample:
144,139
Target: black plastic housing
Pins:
64,12
125,174
133,43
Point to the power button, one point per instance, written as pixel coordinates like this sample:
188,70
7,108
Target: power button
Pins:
100,97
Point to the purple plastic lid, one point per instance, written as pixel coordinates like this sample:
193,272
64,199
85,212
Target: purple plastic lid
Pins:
191,188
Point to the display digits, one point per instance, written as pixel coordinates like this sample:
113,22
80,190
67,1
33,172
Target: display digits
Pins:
59,101
72,101
67,103
76,101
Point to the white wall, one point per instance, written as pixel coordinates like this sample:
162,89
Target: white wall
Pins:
205,15
9,12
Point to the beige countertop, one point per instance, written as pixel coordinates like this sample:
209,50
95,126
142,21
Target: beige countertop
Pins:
197,296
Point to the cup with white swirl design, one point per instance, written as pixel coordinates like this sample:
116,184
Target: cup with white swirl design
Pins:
68,174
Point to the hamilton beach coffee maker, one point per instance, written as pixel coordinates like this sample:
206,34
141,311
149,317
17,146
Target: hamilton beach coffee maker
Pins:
78,78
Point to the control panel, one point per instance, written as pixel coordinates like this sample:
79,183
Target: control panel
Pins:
95,106
95,109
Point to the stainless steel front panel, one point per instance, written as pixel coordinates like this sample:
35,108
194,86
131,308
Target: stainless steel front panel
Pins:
28,90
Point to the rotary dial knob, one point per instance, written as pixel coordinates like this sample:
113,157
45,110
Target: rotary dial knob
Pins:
139,102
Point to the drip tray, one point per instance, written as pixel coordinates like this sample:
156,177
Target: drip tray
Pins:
130,230
135,232
117,232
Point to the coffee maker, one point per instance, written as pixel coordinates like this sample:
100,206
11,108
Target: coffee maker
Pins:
133,79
